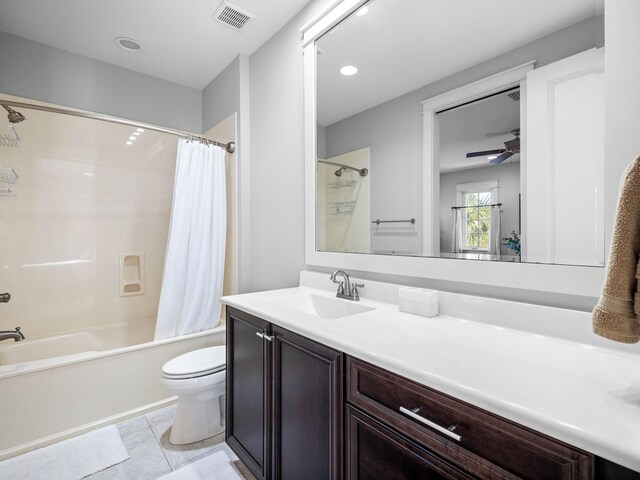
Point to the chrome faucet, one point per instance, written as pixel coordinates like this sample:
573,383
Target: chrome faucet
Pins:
15,334
346,289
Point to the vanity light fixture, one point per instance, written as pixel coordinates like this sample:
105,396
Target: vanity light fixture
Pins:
348,70
128,44
362,11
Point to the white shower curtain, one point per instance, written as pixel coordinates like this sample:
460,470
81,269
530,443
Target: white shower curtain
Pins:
494,230
457,240
194,262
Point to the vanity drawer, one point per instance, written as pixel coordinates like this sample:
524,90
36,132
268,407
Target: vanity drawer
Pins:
482,443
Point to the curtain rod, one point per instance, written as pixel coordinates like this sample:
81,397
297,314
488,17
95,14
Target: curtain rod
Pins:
478,206
229,147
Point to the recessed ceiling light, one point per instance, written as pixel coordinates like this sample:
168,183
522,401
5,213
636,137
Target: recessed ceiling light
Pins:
129,143
128,44
492,157
132,137
348,70
136,133
362,11
140,130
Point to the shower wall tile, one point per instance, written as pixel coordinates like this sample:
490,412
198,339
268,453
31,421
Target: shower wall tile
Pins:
83,198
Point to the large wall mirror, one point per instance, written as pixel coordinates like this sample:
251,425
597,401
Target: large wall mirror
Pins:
457,130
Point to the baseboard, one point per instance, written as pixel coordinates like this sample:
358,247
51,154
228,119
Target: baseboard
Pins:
44,441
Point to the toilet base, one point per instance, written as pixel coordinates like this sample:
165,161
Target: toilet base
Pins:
197,419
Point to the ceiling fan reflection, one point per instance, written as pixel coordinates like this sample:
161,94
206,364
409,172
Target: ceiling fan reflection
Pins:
511,147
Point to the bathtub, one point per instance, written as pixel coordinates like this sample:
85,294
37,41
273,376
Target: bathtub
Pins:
56,387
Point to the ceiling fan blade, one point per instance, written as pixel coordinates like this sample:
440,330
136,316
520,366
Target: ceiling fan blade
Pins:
485,153
501,158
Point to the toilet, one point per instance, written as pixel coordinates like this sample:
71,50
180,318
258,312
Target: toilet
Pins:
198,379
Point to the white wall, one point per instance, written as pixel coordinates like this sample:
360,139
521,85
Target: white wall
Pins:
622,94
40,72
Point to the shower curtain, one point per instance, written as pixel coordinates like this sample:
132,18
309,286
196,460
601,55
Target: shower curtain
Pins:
458,242
194,262
494,230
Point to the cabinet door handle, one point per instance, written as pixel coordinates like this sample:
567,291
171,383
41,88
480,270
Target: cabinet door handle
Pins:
429,423
264,336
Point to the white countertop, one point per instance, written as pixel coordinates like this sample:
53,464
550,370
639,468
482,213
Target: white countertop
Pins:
581,392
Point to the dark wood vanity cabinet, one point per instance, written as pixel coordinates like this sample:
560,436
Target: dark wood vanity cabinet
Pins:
298,410
248,391
478,443
284,401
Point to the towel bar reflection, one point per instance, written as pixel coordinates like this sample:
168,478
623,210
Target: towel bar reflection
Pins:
378,221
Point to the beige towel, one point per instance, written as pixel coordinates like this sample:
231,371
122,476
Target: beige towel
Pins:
616,315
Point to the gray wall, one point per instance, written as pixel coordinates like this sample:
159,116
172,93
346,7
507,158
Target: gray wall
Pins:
40,72
222,96
277,156
508,176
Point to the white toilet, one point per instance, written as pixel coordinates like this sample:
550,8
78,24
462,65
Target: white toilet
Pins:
198,379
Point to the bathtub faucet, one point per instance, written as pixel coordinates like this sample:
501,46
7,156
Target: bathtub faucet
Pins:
15,334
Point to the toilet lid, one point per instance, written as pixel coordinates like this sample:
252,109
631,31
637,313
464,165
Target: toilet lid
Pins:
196,363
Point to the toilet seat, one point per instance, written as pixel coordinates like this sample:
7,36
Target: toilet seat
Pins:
198,363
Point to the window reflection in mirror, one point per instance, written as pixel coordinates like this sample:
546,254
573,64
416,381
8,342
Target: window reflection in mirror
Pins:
546,205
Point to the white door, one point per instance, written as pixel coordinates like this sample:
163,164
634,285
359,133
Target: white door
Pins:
564,167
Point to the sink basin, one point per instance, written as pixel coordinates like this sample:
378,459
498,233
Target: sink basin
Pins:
320,306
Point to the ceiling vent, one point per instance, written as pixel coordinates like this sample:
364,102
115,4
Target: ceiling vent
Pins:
515,96
233,16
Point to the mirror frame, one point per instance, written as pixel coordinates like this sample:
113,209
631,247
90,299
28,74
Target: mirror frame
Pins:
549,278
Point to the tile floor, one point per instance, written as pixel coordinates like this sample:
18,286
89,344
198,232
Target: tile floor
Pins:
150,453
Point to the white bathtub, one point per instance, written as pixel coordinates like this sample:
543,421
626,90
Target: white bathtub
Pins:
56,387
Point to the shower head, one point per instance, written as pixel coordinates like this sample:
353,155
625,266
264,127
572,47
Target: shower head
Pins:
14,117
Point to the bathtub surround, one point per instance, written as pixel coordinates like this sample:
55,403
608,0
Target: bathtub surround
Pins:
616,315
73,459
84,198
194,263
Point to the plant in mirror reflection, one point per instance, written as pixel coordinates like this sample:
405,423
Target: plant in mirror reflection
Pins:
512,242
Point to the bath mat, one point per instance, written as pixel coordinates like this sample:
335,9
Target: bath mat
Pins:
71,459
216,466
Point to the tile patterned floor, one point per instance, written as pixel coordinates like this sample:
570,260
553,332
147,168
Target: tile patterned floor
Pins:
150,453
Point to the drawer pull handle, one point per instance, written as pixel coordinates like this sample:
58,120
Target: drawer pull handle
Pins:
448,432
264,336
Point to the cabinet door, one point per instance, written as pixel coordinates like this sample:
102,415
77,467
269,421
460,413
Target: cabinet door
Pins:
248,391
307,413
375,452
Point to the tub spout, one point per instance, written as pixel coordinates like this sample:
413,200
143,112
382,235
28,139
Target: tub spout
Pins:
15,334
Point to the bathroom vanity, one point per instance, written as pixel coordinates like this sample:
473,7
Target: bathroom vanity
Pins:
321,387
285,400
